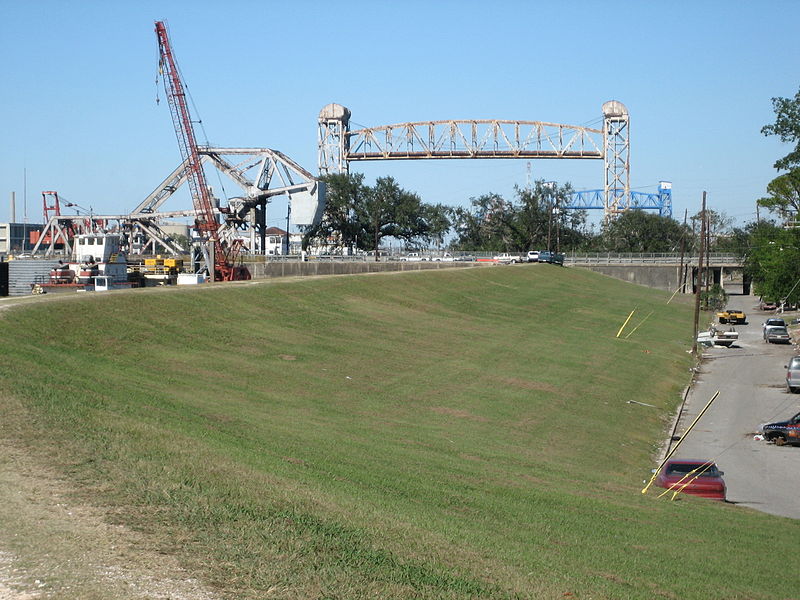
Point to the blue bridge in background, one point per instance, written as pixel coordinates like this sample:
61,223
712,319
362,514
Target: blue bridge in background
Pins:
594,199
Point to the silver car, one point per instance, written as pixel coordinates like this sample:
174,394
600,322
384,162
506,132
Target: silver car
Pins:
793,374
777,335
770,323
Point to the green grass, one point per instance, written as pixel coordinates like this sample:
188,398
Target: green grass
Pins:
448,434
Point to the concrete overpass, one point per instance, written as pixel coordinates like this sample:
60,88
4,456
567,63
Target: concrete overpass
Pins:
659,270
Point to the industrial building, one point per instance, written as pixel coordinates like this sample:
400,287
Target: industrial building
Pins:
15,238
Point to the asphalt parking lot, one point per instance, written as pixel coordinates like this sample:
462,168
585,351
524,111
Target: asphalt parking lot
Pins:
750,377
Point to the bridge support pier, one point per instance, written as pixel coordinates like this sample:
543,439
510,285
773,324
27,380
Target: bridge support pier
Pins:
717,276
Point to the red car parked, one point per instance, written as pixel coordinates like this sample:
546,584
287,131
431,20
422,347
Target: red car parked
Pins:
700,478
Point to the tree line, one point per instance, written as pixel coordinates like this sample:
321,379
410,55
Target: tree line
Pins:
770,246
358,217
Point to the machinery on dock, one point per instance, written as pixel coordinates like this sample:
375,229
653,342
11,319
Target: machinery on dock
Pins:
155,270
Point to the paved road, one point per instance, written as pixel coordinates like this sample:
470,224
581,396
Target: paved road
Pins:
751,380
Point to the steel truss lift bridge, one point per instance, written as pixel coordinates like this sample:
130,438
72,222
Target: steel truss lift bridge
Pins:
338,145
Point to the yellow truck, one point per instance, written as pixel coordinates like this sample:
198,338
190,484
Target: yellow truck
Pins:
732,315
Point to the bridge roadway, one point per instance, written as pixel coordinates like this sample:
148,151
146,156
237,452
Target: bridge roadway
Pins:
716,259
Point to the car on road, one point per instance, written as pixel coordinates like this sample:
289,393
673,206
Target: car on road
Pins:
554,258
413,257
695,477
446,257
767,305
769,323
777,335
782,432
533,256
507,258
732,315
793,374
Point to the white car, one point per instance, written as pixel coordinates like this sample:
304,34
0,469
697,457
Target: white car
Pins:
446,257
533,256
412,257
507,258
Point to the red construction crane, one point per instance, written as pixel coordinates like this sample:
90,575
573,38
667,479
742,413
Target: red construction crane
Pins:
224,254
55,207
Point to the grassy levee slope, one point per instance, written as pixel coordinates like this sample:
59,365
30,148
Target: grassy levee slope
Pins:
451,434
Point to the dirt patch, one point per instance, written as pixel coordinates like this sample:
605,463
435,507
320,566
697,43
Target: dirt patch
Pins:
52,546
526,384
533,479
219,418
470,457
457,412
10,579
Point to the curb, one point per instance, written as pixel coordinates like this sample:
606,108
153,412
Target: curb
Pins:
676,420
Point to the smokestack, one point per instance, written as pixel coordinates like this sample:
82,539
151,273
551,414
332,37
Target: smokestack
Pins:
13,214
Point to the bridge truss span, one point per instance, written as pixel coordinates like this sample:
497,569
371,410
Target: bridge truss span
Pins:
478,138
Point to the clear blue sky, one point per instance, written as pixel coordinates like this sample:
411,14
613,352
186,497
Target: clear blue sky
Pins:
79,114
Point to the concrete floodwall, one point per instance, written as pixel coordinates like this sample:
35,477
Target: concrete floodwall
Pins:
327,267
665,277
655,276
17,276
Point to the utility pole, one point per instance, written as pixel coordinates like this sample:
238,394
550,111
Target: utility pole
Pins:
682,271
377,214
707,251
558,227
288,214
698,285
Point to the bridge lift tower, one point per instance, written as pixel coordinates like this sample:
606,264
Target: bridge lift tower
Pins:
616,158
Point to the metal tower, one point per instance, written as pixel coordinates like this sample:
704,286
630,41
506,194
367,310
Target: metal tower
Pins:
334,143
616,158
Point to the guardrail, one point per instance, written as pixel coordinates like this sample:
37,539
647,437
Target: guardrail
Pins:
456,256
715,259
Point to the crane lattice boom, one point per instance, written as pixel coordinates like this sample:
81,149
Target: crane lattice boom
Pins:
206,223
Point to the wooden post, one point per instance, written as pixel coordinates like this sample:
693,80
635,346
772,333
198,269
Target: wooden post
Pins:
708,251
699,285
682,271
